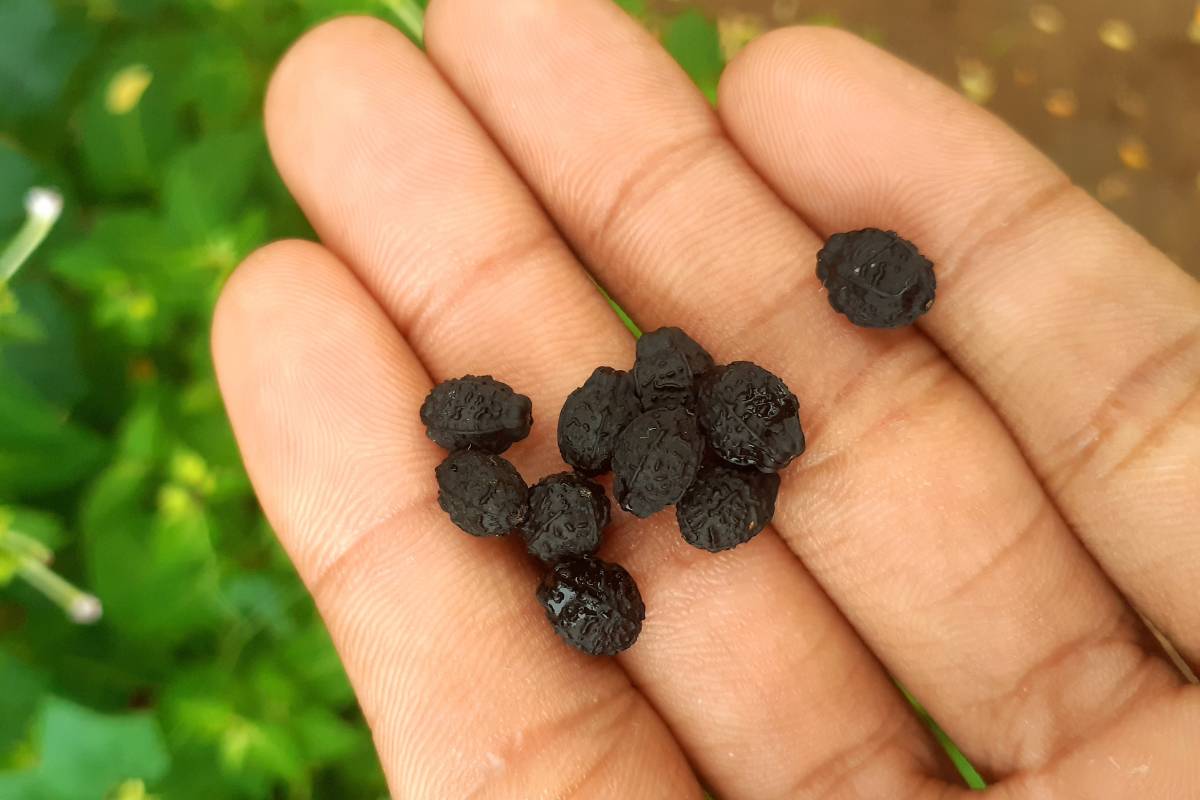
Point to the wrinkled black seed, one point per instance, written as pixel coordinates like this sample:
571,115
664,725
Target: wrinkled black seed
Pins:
876,278
567,514
592,417
483,493
656,459
593,605
726,506
476,412
667,366
751,417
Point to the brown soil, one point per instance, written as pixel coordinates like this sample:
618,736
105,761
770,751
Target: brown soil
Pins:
1123,117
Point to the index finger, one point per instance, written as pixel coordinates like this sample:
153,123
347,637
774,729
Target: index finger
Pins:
1084,337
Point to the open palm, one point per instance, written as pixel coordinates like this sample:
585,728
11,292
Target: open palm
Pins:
985,500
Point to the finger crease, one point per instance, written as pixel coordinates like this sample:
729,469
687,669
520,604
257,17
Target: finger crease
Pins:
357,541
657,170
487,272
1011,225
1082,446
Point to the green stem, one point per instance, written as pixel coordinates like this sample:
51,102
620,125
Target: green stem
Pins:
43,207
411,16
21,545
79,605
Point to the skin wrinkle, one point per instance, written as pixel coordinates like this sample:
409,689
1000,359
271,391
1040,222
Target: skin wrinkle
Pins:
1157,431
836,768
657,170
1080,449
1026,534
973,247
479,275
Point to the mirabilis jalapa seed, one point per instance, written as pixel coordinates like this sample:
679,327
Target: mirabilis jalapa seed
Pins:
876,278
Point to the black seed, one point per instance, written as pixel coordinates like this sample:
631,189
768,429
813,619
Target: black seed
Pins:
593,605
751,417
656,459
567,514
476,412
876,278
667,366
483,493
593,416
726,507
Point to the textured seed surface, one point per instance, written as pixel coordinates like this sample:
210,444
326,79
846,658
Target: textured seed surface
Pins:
483,493
593,416
751,417
656,459
593,605
667,366
726,507
567,514
476,412
876,278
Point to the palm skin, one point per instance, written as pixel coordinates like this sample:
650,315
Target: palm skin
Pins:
986,498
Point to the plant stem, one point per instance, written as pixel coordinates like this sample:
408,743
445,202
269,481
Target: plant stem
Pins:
19,544
411,16
43,208
79,605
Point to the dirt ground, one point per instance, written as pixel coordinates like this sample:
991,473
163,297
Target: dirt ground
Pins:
1108,88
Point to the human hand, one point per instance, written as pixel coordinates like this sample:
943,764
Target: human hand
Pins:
984,500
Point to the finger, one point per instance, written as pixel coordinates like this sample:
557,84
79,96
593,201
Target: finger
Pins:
394,174
324,397
1085,338
913,507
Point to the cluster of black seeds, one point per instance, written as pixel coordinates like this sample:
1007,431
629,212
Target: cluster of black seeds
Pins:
675,430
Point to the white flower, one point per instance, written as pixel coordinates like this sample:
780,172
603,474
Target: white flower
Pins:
44,205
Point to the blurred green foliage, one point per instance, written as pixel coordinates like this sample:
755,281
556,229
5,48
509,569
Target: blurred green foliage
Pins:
210,674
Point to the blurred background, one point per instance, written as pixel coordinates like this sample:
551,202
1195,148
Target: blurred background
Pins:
154,641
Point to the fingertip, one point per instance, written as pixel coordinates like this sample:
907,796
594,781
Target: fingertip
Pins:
259,283
319,85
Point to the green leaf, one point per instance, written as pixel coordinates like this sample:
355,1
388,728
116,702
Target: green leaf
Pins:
142,278
85,754
262,748
156,573
694,42
35,523
48,362
635,7
21,786
130,121
23,691
218,83
37,53
325,737
206,183
17,175
40,449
